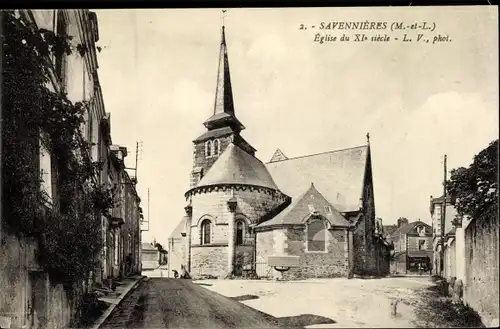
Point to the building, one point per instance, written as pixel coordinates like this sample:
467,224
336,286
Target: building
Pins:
412,246
441,238
316,211
123,234
177,245
150,257
30,297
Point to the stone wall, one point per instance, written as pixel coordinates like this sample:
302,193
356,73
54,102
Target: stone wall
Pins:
449,259
252,204
317,264
481,288
209,260
21,279
201,161
312,264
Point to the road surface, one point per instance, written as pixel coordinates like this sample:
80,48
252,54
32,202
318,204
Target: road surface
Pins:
176,303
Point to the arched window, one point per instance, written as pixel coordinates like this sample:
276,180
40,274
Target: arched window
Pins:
205,231
216,147
208,149
316,235
240,233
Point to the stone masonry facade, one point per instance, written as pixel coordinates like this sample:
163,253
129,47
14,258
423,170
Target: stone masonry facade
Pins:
252,204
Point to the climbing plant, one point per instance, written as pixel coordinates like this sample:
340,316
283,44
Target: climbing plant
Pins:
474,190
34,114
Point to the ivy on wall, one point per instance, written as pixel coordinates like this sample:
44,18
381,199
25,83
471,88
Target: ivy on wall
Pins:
68,231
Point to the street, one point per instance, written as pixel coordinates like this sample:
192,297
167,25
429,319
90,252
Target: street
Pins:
171,303
317,303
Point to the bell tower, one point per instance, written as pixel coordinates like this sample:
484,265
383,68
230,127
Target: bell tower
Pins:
222,126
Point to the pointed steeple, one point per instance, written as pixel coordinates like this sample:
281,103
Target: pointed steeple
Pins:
224,93
223,115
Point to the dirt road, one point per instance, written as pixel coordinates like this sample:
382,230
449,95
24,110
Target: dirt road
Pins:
171,303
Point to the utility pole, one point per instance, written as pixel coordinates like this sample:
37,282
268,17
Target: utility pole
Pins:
443,218
138,149
146,221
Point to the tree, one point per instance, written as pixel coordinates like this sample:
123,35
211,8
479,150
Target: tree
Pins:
474,190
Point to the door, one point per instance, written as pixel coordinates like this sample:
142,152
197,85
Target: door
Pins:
36,294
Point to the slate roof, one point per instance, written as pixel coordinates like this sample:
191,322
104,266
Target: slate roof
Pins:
407,228
235,166
339,175
224,131
298,211
389,229
179,229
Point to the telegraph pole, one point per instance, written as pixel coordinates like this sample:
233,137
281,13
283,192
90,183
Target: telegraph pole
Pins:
443,218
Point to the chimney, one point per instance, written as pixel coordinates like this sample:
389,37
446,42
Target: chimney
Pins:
402,221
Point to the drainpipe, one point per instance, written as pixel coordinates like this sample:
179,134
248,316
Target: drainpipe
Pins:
346,253
189,216
231,203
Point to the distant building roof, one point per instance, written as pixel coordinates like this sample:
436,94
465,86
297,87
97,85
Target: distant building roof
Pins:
235,166
389,229
179,229
339,175
411,228
298,211
147,246
278,156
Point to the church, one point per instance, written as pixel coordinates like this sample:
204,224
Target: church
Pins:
304,217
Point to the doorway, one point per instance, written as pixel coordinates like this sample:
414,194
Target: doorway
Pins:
36,300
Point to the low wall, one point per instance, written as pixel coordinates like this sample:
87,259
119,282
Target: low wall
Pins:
481,288
23,284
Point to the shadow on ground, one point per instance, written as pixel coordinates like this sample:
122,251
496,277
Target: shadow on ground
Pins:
438,310
298,321
203,284
244,298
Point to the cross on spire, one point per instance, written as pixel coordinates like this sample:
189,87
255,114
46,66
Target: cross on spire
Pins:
223,15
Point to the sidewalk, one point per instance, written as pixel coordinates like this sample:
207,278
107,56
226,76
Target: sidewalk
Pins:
123,288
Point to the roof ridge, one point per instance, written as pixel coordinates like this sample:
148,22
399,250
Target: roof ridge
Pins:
310,155
232,142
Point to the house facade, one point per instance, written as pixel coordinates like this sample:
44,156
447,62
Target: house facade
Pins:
443,231
412,247
316,211
30,298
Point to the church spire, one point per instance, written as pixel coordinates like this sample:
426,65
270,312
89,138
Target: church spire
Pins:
223,93
223,114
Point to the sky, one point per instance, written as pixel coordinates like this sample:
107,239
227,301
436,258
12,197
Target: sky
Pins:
418,101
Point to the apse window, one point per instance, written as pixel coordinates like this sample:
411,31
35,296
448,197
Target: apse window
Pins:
239,233
205,232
